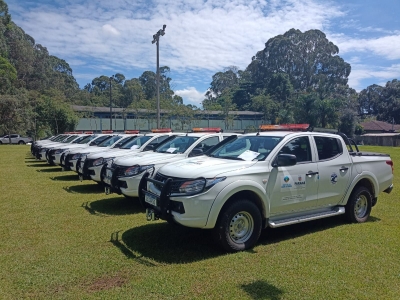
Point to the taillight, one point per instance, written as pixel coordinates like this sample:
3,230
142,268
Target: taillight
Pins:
390,163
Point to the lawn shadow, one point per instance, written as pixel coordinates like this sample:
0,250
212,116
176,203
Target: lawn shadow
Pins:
84,189
52,170
275,235
173,244
114,206
72,177
262,290
40,164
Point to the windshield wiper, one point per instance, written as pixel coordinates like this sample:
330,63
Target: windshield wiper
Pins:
231,157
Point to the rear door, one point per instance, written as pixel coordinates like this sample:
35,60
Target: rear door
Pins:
334,167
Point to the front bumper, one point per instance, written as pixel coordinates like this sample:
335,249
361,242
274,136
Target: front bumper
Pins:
190,211
115,182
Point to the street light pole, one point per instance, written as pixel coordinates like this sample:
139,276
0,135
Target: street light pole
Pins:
110,106
156,39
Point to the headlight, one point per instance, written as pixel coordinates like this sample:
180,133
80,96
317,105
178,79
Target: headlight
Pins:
192,187
101,161
135,170
78,155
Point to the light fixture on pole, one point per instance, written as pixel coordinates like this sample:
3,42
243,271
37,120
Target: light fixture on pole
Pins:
156,39
110,106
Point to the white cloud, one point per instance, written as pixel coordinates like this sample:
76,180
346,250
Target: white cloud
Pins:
109,29
376,74
192,95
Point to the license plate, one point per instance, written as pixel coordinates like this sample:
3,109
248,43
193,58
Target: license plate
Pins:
108,177
150,199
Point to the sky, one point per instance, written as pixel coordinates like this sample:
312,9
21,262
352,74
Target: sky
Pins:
204,37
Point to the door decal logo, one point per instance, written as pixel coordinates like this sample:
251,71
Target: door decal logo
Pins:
334,178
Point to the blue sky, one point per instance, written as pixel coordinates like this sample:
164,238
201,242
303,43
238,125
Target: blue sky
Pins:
204,37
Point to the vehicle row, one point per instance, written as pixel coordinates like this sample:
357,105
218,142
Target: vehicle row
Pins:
233,184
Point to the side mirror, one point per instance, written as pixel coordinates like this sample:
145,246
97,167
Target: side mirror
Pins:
284,160
196,152
149,148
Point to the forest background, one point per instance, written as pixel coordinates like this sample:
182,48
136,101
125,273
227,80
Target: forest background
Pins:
297,78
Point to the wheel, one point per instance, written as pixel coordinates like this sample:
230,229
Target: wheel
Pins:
21,143
239,226
359,205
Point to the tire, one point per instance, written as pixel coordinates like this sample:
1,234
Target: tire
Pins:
358,207
21,143
239,226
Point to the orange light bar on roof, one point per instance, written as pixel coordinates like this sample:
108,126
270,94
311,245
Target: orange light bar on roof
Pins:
78,132
288,127
107,131
131,131
161,130
89,132
207,129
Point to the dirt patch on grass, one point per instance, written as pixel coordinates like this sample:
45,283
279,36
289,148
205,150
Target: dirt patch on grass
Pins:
106,283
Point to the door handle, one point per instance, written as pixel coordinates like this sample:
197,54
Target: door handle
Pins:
311,173
343,169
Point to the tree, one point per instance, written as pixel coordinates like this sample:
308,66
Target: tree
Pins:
15,113
8,75
368,100
264,103
308,58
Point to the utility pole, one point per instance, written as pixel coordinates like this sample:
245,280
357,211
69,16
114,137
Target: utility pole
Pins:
110,106
156,39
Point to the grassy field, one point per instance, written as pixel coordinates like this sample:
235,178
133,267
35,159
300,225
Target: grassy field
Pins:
65,239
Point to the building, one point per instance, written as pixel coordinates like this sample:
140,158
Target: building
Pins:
98,118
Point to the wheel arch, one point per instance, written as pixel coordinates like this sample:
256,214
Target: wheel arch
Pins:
253,192
367,181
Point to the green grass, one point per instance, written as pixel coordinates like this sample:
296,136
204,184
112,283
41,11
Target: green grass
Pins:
65,239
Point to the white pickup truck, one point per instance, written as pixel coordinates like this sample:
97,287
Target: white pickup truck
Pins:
123,174
267,179
15,139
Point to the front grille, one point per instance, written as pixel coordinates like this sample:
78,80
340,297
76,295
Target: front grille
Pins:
176,182
118,170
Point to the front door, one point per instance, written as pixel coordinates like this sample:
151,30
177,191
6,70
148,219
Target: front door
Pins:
294,188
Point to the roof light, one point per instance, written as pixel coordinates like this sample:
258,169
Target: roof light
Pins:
161,130
131,131
285,127
89,132
207,129
107,131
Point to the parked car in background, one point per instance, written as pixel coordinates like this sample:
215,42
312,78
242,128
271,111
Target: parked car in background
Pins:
93,167
124,174
15,139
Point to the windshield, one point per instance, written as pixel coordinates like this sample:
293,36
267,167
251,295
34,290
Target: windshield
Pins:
87,139
70,139
110,141
122,141
78,140
136,143
177,145
247,148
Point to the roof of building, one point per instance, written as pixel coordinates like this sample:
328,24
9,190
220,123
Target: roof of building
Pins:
379,126
119,110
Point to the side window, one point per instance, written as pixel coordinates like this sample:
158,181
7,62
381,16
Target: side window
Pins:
208,143
13,136
328,147
300,147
